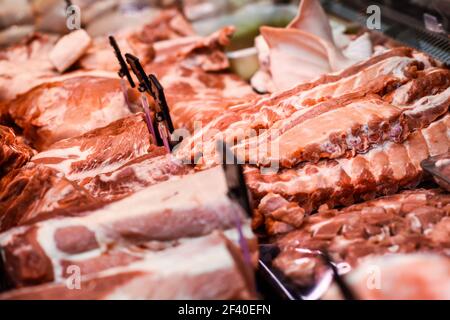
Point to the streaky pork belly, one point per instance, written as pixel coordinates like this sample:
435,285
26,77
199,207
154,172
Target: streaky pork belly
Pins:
338,127
205,268
122,255
191,206
63,109
382,170
100,150
135,175
33,192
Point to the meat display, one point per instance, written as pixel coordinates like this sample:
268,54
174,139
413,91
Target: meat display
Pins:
63,109
114,173
408,222
242,124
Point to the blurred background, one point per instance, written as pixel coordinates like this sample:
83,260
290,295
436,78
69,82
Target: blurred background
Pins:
19,18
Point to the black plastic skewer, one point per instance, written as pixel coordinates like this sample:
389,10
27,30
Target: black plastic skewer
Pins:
162,121
123,71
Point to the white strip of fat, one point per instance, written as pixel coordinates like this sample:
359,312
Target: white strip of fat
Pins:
206,189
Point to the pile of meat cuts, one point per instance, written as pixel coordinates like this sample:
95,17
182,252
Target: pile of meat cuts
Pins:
91,208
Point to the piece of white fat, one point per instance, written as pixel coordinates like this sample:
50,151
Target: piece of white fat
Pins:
69,49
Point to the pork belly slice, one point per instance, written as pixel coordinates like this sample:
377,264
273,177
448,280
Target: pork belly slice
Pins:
378,75
420,276
101,150
68,108
205,268
335,128
197,82
35,192
135,175
14,153
382,170
24,65
168,24
407,222
192,206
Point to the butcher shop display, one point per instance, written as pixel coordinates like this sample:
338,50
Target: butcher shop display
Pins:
224,150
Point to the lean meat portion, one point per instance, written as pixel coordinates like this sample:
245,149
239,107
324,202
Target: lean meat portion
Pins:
116,256
63,109
420,276
167,25
14,153
378,75
192,206
383,170
408,222
205,268
101,150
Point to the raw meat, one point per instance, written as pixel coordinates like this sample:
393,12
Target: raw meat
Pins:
194,205
205,268
383,170
420,276
407,222
14,153
63,109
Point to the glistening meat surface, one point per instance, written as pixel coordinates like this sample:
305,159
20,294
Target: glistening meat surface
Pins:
191,206
175,273
101,150
378,75
338,127
382,170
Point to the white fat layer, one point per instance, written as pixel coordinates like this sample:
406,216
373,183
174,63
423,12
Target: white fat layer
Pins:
428,102
67,155
197,257
205,189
